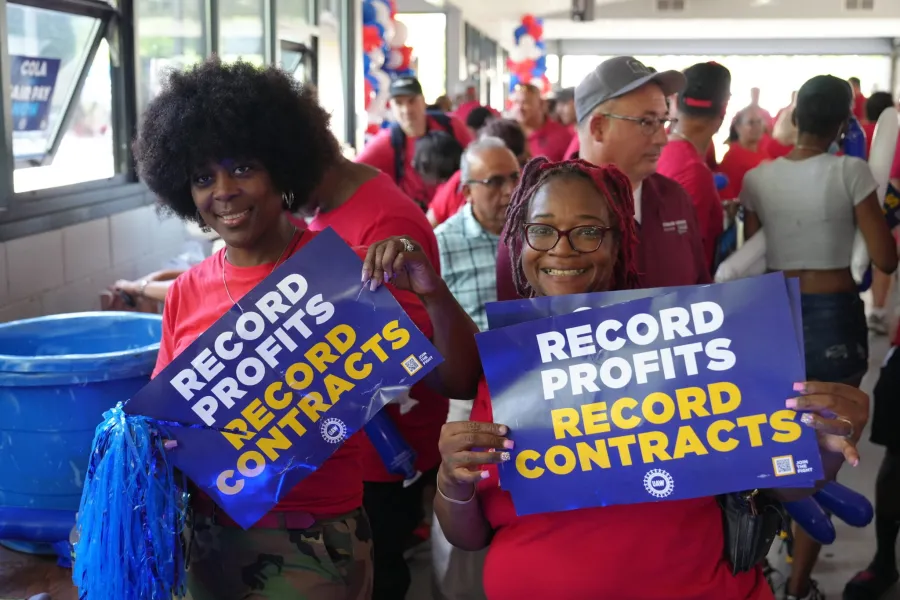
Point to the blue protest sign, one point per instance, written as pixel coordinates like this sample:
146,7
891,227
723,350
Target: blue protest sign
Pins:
891,206
673,396
33,80
277,384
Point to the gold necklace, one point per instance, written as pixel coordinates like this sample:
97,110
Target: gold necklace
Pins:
277,262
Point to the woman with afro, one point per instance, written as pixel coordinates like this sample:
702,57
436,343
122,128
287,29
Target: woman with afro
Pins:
237,149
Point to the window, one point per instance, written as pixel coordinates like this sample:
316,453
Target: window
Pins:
171,34
427,36
242,30
61,92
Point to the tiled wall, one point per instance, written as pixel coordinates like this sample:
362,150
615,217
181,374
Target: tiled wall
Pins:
66,269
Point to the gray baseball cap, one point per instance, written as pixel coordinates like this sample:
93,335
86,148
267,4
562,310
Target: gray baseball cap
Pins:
616,77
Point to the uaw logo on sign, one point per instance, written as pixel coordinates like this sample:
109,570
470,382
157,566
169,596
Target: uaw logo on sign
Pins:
672,226
333,431
659,483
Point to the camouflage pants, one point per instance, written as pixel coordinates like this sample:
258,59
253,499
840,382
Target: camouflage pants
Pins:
332,560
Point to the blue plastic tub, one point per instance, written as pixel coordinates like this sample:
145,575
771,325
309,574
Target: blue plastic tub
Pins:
58,375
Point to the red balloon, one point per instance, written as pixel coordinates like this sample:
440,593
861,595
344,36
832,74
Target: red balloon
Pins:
370,94
536,30
528,21
371,38
406,53
373,128
393,9
523,70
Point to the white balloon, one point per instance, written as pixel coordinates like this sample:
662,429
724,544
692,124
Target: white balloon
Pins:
401,33
518,54
527,45
376,59
383,18
394,59
382,13
384,82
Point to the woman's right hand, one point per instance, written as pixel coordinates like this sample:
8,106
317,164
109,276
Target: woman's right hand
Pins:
461,464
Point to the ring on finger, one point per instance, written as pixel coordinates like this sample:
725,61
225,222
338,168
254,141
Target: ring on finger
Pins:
850,424
407,245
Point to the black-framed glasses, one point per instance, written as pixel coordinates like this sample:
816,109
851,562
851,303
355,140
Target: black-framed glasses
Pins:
496,182
649,125
584,239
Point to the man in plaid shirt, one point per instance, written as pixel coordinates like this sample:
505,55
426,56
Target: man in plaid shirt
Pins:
468,240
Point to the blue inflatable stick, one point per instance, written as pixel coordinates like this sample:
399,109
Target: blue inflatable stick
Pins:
849,506
809,515
396,454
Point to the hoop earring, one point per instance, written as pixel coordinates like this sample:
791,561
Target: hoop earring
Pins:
288,199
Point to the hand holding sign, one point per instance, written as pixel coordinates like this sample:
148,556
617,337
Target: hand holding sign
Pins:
400,261
465,446
839,413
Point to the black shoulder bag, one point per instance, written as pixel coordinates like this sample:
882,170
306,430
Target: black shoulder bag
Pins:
752,521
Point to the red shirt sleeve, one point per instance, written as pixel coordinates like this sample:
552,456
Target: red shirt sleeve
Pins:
700,185
167,342
379,153
447,200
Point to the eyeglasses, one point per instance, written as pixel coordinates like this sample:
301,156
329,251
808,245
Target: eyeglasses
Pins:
649,125
497,181
584,239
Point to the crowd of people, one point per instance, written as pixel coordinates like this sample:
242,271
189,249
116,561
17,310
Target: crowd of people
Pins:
607,186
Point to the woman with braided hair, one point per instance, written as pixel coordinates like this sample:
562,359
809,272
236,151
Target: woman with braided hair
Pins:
570,229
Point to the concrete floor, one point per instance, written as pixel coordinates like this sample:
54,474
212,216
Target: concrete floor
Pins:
837,564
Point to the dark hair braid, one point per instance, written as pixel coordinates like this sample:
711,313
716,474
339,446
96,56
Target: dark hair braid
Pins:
609,181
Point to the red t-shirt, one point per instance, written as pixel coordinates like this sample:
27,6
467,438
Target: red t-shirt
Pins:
735,164
651,551
681,161
670,251
379,153
895,168
859,107
462,113
551,140
772,148
379,210
448,199
196,300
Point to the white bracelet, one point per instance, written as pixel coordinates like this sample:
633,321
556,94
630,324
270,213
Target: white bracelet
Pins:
452,500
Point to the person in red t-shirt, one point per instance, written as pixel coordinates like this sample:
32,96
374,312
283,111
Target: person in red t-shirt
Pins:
859,99
700,114
412,122
572,231
546,137
210,149
744,153
450,197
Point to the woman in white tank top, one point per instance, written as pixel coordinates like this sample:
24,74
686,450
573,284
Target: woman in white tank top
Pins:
811,202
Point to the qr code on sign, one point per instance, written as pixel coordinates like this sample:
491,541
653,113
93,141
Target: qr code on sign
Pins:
784,465
412,365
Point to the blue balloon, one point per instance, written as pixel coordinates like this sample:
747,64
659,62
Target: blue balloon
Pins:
519,32
855,140
367,64
538,72
513,82
721,180
380,29
541,46
368,13
541,63
374,83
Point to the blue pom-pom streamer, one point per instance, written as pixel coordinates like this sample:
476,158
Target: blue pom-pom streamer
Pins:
132,516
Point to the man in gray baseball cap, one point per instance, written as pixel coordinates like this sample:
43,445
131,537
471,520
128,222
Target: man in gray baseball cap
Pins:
623,116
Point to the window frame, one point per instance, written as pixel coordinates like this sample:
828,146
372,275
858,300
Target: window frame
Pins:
28,213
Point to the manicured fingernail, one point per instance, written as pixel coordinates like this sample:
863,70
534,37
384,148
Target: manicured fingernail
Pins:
800,387
169,444
504,456
485,474
509,444
791,403
855,462
807,419
503,429
363,276
373,285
